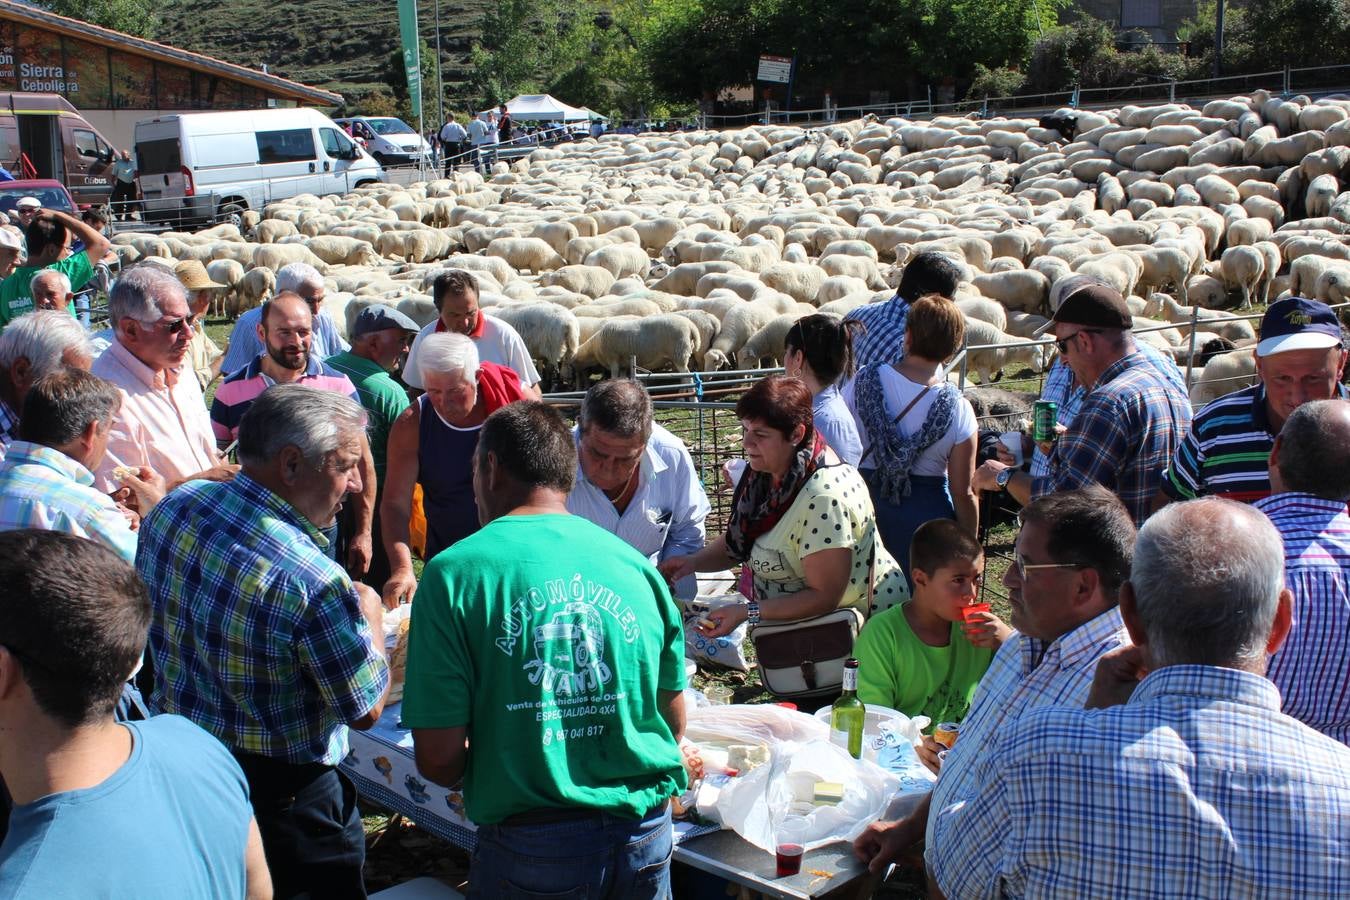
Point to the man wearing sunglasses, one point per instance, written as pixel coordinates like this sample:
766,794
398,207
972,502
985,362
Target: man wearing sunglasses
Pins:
1132,420
1072,556
163,424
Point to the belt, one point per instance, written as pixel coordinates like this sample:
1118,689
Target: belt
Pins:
552,815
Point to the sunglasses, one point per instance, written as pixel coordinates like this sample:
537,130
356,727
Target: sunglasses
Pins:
1022,566
1063,343
180,325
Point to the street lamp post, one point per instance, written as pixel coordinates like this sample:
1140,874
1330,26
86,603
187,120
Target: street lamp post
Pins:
1218,37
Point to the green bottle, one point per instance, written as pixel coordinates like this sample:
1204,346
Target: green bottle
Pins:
848,713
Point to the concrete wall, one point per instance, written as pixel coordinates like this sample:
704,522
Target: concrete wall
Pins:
118,125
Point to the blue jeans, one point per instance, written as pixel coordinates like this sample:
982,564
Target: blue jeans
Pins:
591,857
929,498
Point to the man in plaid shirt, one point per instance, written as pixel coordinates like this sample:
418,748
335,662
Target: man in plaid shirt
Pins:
261,639
1182,778
1132,419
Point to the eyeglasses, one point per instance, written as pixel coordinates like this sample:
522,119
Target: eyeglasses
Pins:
182,324
1063,343
1022,566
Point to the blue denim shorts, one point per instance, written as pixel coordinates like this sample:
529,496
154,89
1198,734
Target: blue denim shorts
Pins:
594,856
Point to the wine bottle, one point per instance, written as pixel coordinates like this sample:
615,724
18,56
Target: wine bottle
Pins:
848,713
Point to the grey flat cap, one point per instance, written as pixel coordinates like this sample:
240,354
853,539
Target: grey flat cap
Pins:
382,318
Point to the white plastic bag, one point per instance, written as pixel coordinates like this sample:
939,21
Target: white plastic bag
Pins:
728,650
753,723
754,804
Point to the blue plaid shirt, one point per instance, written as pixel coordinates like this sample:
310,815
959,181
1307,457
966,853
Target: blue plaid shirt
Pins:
255,635
884,340
1067,394
1123,438
1026,674
41,487
1312,669
1197,787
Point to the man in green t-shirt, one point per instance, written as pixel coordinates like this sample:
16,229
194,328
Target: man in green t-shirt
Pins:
380,338
545,666
49,236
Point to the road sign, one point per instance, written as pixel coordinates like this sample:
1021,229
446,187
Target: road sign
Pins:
777,69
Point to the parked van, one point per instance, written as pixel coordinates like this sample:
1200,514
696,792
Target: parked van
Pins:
43,136
390,140
212,166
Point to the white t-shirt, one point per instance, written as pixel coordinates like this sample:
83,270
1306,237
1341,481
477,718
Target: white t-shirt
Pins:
898,392
499,343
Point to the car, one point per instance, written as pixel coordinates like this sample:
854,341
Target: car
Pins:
390,140
51,193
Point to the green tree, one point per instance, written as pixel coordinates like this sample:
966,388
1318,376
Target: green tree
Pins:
1275,33
396,77
136,17
525,43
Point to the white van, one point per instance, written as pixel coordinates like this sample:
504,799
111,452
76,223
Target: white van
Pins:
211,166
390,140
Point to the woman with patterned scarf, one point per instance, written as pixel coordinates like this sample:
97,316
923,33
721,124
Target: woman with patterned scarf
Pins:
919,433
802,521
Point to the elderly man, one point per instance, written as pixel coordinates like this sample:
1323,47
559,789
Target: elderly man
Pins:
455,293
1185,780
1310,477
32,347
162,424
1072,556
11,247
635,479
284,329
47,477
380,339
204,356
104,808
557,646
883,338
264,641
1300,357
297,278
50,289
49,236
1132,418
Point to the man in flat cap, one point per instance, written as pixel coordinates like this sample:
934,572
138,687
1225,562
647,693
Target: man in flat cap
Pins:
1132,418
380,339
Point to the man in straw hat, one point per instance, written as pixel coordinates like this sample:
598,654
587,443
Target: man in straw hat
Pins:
203,355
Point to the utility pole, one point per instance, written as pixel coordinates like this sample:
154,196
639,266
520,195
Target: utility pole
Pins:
1218,37
440,89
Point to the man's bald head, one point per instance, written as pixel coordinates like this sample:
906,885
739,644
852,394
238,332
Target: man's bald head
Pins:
1312,452
283,306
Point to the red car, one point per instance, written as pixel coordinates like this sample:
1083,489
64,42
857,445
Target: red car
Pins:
52,194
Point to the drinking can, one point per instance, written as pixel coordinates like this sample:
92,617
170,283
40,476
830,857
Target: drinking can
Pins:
946,734
1044,417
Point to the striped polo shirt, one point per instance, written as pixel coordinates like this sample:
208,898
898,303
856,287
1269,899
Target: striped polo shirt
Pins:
1227,453
237,392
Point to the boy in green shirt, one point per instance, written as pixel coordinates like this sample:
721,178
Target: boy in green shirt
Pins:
921,658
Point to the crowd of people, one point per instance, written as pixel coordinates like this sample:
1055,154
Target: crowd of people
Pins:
196,613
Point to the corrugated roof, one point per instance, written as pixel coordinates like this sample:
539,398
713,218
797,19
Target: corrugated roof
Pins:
279,87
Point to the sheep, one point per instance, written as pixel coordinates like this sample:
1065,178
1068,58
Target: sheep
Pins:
985,310
1025,290
800,281
683,279
340,250
767,342
269,231
256,286
1224,374
1243,270
534,254
739,324
654,341
706,324
990,361
621,259
551,335
1225,324
593,281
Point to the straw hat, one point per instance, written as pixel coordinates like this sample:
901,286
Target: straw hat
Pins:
193,275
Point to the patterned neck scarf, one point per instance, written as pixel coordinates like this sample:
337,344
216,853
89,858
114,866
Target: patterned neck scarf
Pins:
758,504
893,456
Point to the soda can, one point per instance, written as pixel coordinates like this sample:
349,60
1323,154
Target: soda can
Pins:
946,734
1044,417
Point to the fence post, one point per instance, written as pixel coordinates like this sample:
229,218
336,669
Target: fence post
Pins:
1287,81
965,361
1190,359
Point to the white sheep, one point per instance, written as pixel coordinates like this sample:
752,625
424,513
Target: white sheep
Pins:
521,253
621,259
739,324
767,342
654,341
551,335
992,356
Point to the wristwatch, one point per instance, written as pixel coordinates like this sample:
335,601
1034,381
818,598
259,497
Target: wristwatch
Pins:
1003,477
752,612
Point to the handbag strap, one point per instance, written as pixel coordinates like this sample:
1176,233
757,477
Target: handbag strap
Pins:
896,421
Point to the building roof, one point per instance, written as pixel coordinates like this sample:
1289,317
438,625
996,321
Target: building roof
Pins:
282,88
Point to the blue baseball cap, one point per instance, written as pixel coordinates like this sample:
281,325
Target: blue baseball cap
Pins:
1297,323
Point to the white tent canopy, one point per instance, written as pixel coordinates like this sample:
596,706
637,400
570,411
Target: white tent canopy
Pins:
544,107
592,114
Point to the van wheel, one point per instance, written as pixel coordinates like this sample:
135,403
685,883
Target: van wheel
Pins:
233,214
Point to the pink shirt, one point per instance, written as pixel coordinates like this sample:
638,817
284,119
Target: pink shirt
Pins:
163,423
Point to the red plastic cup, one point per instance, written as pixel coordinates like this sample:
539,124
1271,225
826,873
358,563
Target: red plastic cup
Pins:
968,613
790,845
789,858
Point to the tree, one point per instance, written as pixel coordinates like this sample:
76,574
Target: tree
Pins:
128,16
525,43
1277,33
396,76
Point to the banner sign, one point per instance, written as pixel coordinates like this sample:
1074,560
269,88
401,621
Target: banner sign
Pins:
412,58
777,69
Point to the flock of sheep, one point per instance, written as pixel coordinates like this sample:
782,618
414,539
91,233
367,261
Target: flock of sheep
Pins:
698,250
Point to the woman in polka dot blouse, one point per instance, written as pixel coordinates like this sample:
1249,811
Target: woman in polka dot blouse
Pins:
803,521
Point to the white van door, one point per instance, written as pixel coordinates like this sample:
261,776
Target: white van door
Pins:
340,151
290,162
